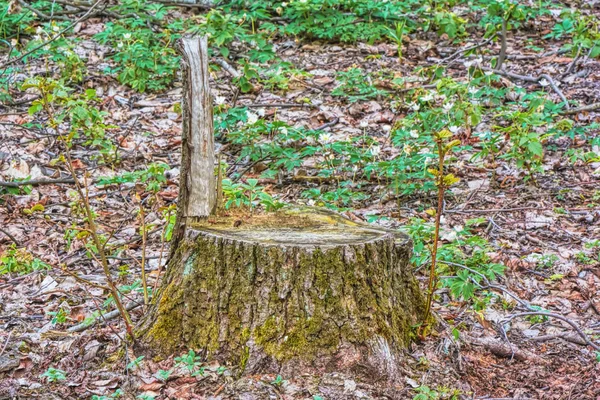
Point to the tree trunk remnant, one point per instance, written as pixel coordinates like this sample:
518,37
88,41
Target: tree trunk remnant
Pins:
197,192
296,290
299,290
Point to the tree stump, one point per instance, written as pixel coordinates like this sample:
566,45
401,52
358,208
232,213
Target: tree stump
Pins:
300,289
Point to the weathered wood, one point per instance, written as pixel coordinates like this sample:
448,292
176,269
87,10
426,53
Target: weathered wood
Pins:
298,290
197,192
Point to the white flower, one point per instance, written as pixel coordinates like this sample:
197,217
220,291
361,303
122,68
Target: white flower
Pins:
473,90
39,30
55,28
543,82
283,4
220,100
488,73
375,150
37,37
454,129
415,107
252,118
120,45
303,1
127,35
426,160
310,202
355,168
325,137
414,134
427,97
364,123
407,149
448,106
261,112
283,130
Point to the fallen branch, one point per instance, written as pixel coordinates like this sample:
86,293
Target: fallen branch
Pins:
41,15
104,317
533,79
502,349
560,317
589,107
280,105
36,182
225,65
11,237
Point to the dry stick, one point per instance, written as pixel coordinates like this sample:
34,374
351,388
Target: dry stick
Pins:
53,38
475,46
502,55
36,182
6,343
532,79
590,107
162,247
103,317
11,237
280,105
225,65
41,14
143,262
562,318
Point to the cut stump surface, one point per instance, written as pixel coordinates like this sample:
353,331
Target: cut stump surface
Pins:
297,290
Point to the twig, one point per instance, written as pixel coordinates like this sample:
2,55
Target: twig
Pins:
36,182
53,38
557,316
502,55
41,14
473,47
554,86
6,343
533,79
590,107
103,317
11,237
280,105
225,65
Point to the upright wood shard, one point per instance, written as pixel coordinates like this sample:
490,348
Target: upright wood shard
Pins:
197,195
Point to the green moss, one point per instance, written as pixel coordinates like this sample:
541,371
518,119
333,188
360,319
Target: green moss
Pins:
234,298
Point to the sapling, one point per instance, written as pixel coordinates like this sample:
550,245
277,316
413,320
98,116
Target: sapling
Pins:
442,182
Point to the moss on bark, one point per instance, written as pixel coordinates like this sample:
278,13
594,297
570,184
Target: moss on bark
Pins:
252,297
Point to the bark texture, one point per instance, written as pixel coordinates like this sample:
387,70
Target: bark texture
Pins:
296,290
197,194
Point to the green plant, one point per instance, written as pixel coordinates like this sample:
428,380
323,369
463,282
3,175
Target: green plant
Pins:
191,362
278,381
54,375
397,35
58,317
74,114
16,260
356,86
145,57
153,177
163,375
134,364
442,181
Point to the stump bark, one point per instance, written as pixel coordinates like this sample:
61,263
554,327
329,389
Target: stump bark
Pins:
298,290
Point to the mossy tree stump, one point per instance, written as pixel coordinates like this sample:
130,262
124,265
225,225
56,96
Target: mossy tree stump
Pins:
298,290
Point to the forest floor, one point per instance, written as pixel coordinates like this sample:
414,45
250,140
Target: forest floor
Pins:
539,231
